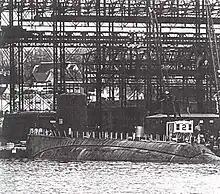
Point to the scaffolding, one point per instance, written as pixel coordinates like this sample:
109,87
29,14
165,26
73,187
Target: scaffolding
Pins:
126,48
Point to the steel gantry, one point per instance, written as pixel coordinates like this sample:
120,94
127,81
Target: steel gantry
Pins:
130,50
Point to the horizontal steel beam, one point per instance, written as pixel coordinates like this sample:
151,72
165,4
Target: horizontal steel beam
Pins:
122,19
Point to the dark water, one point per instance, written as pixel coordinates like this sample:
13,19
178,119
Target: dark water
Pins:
107,177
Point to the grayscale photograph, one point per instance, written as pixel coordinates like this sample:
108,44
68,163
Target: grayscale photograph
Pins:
109,96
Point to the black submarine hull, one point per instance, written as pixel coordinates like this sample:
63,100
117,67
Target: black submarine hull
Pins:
92,149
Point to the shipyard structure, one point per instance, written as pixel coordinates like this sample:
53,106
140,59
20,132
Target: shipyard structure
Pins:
120,64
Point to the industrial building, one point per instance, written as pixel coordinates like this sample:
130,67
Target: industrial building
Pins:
129,53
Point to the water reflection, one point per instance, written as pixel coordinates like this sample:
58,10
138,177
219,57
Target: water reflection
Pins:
107,177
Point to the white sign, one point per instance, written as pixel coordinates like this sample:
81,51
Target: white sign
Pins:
179,127
183,127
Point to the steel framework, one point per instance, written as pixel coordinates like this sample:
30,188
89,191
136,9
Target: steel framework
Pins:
134,49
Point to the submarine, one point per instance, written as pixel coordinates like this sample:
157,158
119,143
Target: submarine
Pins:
64,136
94,149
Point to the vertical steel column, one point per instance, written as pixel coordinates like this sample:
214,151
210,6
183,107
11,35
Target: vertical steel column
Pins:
61,12
20,61
126,84
12,61
111,68
157,49
149,65
207,88
137,77
84,75
98,64
209,81
55,54
122,94
199,73
111,55
183,101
